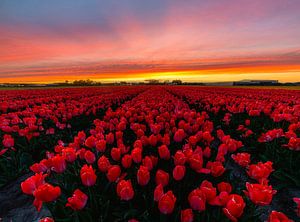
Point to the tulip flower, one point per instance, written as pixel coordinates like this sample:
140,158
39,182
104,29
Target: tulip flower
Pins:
179,135
216,168
196,162
113,173
32,183
260,194
234,207
69,154
89,157
187,215
260,171
115,154
136,155
126,161
78,200
125,190
158,192
45,193
164,152
210,192
166,203
143,176
46,219
197,200
297,201
88,176
242,159
278,217
147,162
178,172
58,164
224,187
101,145
162,178
179,158
103,164
8,141
38,167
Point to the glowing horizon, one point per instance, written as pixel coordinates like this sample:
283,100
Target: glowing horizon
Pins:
131,40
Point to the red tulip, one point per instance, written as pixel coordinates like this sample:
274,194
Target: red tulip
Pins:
133,220
147,162
46,219
89,157
136,155
179,135
32,183
81,136
103,164
278,217
45,193
234,207
178,172
187,215
115,154
81,153
38,167
78,200
217,168
297,201
260,194
207,136
197,199
209,191
224,187
126,161
260,171
69,154
90,142
164,152
101,146
58,164
294,144
110,138
193,140
242,159
158,192
87,175
179,158
143,176
125,190
207,152
162,178
153,140
196,162
113,173
8,141
166,203
154,160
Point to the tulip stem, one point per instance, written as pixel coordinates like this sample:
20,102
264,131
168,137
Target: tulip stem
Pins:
162,217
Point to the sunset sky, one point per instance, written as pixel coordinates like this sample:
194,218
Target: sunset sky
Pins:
113,40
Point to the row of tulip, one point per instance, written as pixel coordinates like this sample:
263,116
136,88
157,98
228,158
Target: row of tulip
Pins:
32,121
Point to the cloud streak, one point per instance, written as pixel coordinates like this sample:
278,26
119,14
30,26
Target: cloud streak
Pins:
112,39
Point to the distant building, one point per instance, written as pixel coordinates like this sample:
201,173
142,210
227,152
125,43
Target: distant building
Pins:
177,82
219,84
256,83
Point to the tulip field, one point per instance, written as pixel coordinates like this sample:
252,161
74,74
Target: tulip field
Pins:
154,153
